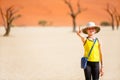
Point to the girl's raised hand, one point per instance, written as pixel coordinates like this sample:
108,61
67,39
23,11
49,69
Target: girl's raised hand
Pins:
79,31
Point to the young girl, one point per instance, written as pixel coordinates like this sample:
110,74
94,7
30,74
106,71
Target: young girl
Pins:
93,69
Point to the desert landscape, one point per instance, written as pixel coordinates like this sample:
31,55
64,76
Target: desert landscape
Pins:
53,53
57,13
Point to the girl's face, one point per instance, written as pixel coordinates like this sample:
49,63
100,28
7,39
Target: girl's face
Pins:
91,31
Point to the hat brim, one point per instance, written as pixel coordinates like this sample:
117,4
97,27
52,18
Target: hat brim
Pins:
97,28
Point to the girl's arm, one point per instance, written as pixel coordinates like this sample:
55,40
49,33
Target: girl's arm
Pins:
79,34
101,61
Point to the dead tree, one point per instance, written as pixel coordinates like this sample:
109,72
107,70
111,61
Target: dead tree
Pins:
8,16
115,17
111,12
73,14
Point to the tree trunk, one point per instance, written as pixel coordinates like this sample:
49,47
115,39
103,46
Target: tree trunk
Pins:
117,25
112,23
117,22
7,30
74,24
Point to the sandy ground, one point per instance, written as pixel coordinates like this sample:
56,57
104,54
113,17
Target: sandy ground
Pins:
53,54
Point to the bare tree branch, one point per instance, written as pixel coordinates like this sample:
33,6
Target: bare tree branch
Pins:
79,8
70,6
3,18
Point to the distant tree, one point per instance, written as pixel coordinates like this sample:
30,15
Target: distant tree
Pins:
111,12
8,16
74,14
115,17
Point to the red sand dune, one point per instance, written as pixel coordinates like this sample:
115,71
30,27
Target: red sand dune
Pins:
56,12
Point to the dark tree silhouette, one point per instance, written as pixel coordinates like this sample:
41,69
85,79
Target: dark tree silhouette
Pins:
8,16
115,17
74,14
111,12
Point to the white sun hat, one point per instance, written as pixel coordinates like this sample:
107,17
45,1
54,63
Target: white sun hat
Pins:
91,25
